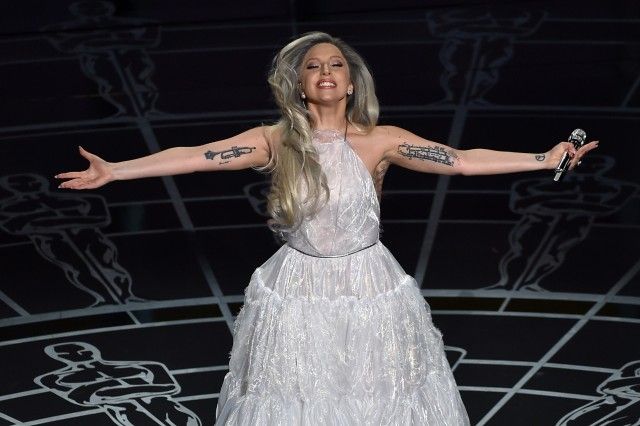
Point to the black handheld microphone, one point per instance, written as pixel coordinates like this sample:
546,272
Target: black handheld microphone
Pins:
577,138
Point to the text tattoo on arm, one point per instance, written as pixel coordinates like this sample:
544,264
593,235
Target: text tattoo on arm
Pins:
229,154
436,154
540,157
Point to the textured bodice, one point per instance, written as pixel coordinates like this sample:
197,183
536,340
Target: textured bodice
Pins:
350,219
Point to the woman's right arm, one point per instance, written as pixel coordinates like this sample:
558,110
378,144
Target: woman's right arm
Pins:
248,149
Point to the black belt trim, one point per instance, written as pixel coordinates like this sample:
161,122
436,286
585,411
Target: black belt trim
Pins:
335,255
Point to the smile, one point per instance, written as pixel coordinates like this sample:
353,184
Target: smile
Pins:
326,84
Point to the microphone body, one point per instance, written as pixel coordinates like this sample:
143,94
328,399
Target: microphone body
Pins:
577,138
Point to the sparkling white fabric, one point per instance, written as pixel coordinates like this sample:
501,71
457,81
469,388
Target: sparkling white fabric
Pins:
337,340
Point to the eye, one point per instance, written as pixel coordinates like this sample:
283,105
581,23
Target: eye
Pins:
336,64
311,66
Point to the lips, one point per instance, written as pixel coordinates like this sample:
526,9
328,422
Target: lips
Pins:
326,84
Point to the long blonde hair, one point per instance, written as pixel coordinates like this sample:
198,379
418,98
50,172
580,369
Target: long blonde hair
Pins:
295,157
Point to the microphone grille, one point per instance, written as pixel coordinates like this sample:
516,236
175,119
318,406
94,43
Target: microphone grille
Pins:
579,136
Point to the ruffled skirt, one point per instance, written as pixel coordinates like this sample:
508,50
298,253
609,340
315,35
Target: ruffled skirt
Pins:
337,341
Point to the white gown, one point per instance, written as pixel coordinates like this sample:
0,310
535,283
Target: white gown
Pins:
333,331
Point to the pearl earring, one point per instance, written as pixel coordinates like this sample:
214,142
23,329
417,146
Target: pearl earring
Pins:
349,92
303,96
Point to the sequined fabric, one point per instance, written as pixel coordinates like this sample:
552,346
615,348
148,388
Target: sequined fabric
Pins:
337,340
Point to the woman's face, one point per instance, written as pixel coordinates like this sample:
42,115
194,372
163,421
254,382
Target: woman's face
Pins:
324,77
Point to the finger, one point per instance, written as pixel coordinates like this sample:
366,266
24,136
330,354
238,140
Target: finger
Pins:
67,184
573,150
73,183
568,147
590,145
576,156
86,154
69,175
82,183
585,149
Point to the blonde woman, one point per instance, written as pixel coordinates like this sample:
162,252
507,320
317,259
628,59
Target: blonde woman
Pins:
333,331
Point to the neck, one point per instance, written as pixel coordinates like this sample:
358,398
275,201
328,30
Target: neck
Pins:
326,117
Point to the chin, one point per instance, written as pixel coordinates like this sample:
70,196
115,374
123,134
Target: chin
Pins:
328,99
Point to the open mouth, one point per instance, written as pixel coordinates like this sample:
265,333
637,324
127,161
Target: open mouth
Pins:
326,84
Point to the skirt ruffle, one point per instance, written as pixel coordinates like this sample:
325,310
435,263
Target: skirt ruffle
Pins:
337,341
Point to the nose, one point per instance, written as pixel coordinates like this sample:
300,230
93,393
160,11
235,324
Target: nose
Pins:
326,69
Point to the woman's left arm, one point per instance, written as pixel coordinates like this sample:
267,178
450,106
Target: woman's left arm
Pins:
413,152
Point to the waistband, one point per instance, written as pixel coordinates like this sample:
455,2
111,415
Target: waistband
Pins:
334,255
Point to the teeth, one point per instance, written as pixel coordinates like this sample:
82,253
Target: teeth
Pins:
326,84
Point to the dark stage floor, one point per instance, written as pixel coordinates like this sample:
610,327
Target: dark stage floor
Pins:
534,284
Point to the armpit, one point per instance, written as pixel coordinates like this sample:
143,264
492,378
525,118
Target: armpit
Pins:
378,176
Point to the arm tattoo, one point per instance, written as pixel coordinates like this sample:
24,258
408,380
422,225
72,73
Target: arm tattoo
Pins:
440,155
540,157
229,154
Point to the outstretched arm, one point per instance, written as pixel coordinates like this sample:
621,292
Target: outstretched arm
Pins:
413,152
248,149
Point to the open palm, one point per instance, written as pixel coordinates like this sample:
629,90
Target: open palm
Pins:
98,173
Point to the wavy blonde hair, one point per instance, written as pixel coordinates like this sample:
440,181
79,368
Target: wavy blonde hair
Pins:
295,157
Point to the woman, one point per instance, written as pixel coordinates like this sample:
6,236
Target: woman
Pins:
332,330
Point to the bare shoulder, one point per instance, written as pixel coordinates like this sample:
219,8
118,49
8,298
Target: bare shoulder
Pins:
388,137
369,145
378,137
381,133
384,140
387,131
392,135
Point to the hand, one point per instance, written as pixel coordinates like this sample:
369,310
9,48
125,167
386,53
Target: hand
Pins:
99,173
555,155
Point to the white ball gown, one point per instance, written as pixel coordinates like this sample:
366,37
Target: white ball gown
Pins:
333,331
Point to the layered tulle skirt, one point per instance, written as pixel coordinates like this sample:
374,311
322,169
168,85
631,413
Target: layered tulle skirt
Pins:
337,341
